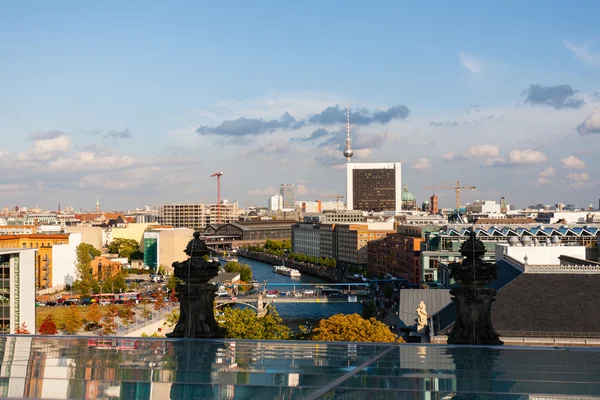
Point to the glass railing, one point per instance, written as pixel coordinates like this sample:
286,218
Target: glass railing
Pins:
105,367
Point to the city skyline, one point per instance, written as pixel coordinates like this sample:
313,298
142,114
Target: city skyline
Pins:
140,103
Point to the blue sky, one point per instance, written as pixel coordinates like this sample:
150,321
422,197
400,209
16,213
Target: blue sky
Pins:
108,99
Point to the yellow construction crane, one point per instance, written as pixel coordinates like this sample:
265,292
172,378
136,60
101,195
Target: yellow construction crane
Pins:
456,189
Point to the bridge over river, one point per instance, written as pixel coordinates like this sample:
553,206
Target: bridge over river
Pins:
260,302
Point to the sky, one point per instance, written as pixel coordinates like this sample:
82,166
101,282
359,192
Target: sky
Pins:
140,102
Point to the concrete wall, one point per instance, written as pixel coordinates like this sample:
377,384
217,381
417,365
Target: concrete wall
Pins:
172,243
539,255
90,235
63,261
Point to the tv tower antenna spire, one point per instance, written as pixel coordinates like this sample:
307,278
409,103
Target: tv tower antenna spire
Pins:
348,153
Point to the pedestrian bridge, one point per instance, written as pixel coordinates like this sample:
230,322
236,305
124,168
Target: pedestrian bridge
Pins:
260,302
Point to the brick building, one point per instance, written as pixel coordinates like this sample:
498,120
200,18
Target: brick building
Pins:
396,254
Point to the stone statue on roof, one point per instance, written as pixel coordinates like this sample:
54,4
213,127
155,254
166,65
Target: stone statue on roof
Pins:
421,316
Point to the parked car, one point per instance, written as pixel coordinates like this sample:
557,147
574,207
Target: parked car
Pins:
271,295
222,293
86,302
51,303
39,304
104,302
69,302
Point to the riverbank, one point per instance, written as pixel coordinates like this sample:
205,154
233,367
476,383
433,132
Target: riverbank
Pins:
308,269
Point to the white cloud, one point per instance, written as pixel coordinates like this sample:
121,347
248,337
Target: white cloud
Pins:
268,191
420,164
581,177
488,151
544,175
47,147
572,162
585,51
362,153
451,156
580,180
591,124
547,172
516,157
471,63
483,151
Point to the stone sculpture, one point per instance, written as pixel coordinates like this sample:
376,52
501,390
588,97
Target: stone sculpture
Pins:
473,299
421,316
196,295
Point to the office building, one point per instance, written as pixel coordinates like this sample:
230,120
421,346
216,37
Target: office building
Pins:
306,237
275,202
351,241
287,192
374,187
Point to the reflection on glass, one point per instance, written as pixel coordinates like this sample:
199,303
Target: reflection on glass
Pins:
111,368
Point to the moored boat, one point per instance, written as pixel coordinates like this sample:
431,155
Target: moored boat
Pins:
283,270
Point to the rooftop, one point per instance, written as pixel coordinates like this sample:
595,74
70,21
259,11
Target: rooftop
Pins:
75,367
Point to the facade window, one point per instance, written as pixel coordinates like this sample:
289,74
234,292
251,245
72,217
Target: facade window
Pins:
24,245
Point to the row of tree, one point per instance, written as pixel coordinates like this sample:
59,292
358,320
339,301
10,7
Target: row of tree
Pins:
281,248
243,323
95,318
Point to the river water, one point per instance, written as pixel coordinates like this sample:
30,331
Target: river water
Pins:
295,314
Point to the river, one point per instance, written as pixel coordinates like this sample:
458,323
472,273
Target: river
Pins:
299,313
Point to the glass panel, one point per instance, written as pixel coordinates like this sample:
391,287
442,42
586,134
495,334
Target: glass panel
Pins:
77,367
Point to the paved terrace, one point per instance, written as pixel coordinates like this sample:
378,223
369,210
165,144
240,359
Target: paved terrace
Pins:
74,368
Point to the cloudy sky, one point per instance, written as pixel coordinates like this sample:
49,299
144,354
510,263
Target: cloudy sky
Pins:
139,102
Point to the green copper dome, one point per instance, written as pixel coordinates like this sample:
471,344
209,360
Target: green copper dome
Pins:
406,195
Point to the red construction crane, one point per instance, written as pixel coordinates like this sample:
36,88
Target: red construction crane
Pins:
218,175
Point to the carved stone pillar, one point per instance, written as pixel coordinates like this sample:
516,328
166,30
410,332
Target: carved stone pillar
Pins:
473,300
196,295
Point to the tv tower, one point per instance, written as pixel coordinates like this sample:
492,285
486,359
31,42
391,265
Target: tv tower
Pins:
348,153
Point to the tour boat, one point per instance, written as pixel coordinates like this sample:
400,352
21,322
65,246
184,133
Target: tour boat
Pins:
283,270
228,258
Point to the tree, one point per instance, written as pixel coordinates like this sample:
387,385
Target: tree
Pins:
353,328
244,270
48,327
84,254
127,314
109,327
243,323
159,304
72,320
369,310
388,291
123,247
172,318
22,330
94,315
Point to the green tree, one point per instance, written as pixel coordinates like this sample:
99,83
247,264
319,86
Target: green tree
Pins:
369,310
72,321
243,323
172,318
353,328
123,247
388,291
84,254
244,270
